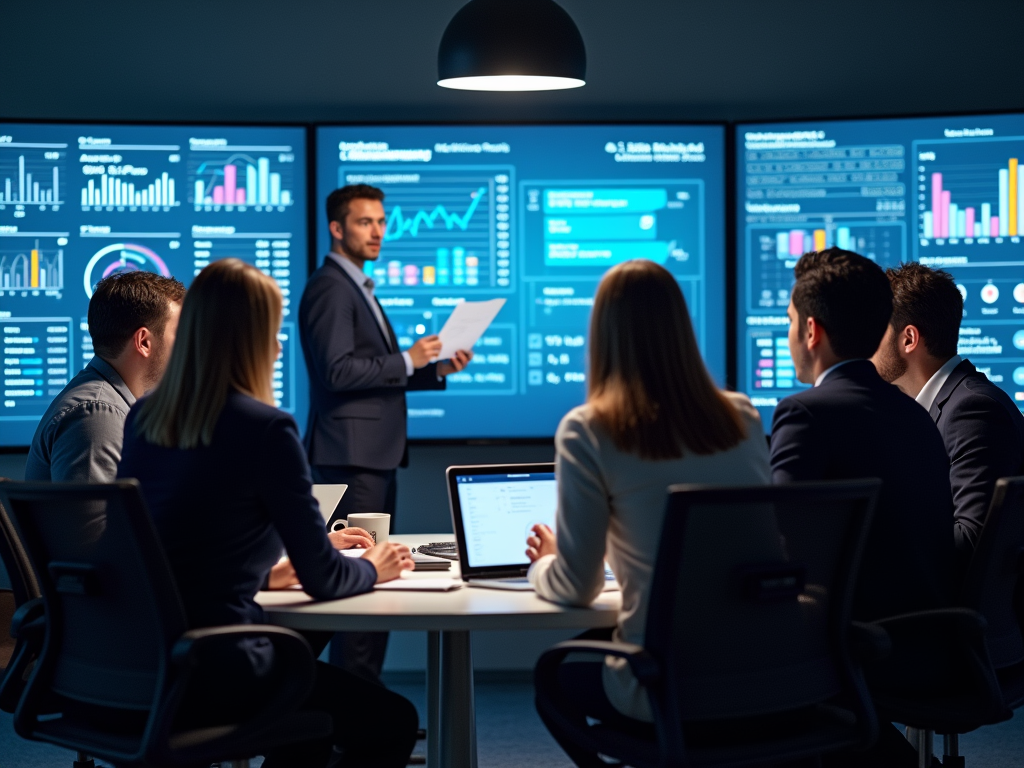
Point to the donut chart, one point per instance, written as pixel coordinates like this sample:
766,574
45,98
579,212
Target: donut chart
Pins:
121,257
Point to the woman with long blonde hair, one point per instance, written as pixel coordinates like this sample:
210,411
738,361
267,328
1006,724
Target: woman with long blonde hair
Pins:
226,480
653,417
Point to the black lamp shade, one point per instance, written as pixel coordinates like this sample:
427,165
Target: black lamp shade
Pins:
501,38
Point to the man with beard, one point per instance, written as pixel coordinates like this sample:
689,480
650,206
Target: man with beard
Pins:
981,427
133,318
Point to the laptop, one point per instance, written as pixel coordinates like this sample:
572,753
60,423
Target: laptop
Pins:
328,497
494,507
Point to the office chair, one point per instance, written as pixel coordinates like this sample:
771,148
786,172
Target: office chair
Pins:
117,658
974,672
747,658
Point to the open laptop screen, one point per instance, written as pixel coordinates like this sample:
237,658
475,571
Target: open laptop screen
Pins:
498,511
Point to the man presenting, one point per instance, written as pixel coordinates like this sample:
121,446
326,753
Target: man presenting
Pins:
358,377
981,427
133,318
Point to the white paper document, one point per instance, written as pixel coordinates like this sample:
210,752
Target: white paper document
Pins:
421,585
466,325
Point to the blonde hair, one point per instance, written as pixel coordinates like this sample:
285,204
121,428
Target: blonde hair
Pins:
227,339
647,384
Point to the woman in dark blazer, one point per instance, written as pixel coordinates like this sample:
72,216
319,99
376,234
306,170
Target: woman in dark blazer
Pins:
226,479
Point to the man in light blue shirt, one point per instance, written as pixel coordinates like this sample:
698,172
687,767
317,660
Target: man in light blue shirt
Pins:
133,318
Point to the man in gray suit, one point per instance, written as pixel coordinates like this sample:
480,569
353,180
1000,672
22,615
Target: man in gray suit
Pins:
133,318
358,377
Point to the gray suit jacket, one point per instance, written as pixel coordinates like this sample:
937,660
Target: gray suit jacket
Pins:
357,379
79,438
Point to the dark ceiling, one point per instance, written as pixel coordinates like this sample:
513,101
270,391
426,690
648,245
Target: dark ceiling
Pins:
338,60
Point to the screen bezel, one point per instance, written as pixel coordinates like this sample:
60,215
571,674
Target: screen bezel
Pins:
455,506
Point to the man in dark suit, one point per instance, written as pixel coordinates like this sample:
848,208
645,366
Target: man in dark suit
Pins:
356,433
981,427
852,424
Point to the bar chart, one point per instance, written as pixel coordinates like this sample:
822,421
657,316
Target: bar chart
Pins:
241,181
970,190
105,192
30,180
773,250
31,268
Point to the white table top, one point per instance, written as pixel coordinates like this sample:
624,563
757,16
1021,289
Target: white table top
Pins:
468,608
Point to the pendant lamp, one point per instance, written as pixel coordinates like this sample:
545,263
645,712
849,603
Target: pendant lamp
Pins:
511,45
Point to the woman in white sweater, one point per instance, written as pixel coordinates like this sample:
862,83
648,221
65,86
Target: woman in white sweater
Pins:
653,417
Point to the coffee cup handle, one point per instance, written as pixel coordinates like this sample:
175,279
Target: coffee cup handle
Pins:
338,525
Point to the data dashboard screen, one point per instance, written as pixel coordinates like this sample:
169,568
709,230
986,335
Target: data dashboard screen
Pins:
81,202
535,215
943,191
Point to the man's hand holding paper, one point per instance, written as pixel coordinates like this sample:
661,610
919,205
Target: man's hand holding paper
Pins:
466,324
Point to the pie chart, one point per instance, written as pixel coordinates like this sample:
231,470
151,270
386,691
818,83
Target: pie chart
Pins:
118,258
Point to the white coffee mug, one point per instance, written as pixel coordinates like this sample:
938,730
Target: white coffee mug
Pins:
377,524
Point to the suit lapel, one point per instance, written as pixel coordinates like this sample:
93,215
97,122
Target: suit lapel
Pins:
389,343
952,381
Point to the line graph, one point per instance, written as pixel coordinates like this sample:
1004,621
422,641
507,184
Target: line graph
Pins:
398,225
446,226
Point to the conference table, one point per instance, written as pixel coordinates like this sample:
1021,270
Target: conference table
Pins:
447,618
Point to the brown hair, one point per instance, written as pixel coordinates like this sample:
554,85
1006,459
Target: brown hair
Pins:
339,200
929,300
647,384
848,295
227,339
125,302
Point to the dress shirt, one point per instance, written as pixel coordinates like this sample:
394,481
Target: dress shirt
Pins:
928,392
365,282
79,438
824,374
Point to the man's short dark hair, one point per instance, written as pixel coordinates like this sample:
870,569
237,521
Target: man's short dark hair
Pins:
848,295
123,303
339,201
929,300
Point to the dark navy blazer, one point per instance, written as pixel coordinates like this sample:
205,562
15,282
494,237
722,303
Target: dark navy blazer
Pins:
225,514
856,425
357,379
984,436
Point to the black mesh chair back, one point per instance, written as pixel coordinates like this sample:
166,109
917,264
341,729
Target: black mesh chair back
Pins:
747,656
25,627
113,612
117,659
15,560
751,596
994,572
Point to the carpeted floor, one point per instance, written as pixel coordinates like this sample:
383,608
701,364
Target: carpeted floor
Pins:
510,735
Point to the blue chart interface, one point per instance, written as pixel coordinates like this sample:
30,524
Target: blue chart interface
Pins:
80,202
942,191
535,215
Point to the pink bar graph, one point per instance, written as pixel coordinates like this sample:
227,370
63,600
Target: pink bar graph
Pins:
230,176
937,208
994,227
944,206
796,242
970,222
218,195
239,197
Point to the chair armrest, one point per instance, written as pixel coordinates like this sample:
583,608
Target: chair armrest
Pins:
869,642
960,619
643,666
293,678
29,620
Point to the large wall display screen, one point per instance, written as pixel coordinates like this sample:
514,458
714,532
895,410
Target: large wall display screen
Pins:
944,191
80,202
535,215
